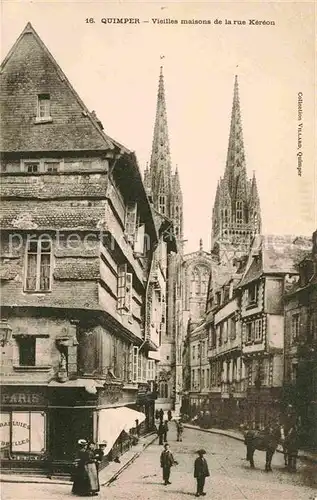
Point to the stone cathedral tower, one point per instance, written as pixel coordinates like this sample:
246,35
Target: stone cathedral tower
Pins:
164,191
236,213
163,187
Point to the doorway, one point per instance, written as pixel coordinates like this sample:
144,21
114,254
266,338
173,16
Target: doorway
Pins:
67,425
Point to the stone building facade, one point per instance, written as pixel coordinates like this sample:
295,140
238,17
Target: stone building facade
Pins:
78,254
300,346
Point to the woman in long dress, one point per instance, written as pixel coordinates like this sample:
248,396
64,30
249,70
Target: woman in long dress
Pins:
86,481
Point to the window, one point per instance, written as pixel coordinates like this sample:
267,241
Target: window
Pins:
124,293
194,352
232,328
131,221
32,168
51,167
22,433
220,333
203,379
163,390
258,329
225,331
151,369
162,204
38,265
27,351
252,294
225,216
239,212
135,363
295,327
43,106
250,332
207,378
294,372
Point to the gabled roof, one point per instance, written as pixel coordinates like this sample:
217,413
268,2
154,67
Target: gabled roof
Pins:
29,70
271,254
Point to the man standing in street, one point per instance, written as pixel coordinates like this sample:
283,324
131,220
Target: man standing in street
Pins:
165,431
167,461
201,471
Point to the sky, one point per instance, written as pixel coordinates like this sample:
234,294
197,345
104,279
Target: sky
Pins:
115,68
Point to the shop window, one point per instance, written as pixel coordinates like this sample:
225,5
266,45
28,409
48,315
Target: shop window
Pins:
38,265
22,433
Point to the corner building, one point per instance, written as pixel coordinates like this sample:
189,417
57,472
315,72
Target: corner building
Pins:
75,272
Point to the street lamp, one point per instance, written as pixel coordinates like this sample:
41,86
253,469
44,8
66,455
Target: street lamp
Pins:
5,333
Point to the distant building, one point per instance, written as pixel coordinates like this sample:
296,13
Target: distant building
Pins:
271,265
195,277
164,192
77,248
300,340
236,220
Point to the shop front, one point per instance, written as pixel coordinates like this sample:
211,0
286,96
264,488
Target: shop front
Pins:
23,427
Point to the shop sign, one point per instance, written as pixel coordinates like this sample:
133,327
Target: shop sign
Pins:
111,393
20,397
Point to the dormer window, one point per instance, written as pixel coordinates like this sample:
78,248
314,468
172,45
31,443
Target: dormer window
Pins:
43,108
252,294
32,168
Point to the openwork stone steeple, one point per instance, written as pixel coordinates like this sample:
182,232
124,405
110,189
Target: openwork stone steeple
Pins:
236,213
162,186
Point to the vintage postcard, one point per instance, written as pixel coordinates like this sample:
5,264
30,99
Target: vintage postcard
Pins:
158,250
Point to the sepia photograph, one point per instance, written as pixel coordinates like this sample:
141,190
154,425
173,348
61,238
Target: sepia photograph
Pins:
158,260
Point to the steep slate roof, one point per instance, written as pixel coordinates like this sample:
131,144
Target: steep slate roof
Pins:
40,217
28,70
275,255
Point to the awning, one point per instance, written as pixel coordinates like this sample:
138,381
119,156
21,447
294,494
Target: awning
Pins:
112,421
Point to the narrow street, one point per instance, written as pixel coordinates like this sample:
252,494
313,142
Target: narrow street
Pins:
230,478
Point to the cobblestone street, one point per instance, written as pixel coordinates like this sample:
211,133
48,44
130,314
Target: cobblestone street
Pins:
231,476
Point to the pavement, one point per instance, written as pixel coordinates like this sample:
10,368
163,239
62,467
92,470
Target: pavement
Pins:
230,475
106,475
234,434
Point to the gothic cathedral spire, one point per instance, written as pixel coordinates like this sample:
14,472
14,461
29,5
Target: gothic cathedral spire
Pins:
160,164
163,187
236,213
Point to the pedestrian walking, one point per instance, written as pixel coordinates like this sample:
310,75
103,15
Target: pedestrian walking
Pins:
167,461
160,432
165,427
161,415
201,471
179,430
169,415
157,414
85,478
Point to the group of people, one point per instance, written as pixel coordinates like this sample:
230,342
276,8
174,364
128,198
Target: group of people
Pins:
201,470
162,429
86,468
